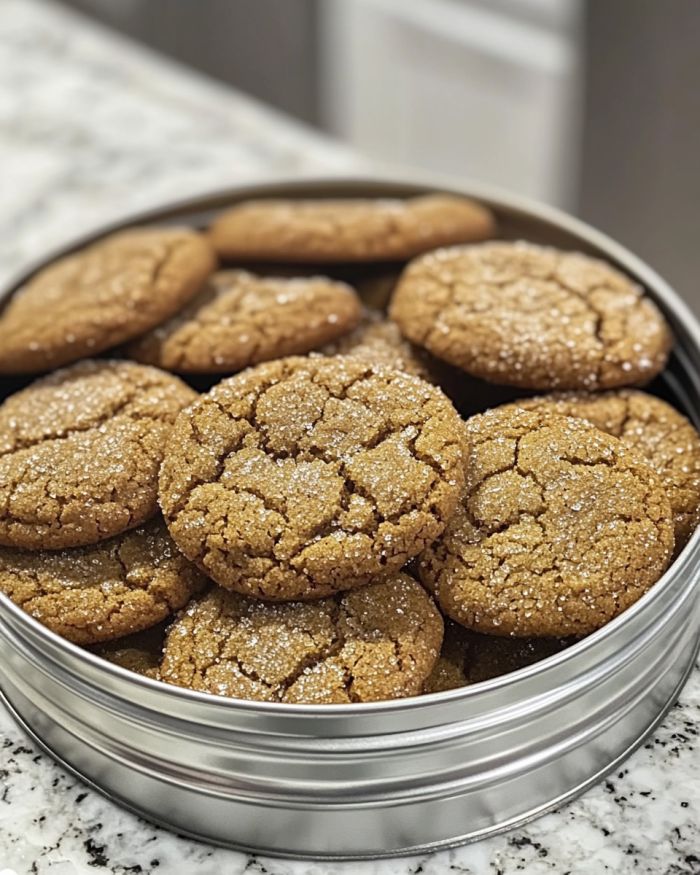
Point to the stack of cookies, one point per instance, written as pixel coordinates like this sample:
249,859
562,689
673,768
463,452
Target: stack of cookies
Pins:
274,489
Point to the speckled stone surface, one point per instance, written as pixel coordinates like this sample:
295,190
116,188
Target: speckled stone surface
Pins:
83,125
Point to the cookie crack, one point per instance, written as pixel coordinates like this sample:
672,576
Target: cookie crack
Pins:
66,434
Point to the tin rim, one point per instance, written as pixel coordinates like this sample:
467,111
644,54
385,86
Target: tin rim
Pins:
675,309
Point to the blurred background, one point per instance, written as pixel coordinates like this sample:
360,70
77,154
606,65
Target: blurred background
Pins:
591,105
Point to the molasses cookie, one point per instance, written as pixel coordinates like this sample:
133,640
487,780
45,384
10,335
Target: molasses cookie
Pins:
98,593
80,452
307,476
101,296
560,529
240,319
377,642
347,230
658,431
468,658
379,341
532,316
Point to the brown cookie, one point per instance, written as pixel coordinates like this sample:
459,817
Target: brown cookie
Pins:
240,319
80,452
532,316
98,593
379,341
101,296
658,431
560,529
377,642
468,657
141,652
307,476
348,230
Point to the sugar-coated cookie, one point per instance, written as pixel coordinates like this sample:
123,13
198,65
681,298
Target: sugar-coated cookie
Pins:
80,452
532,316
561,527
307,476
101,296
377,642
352,229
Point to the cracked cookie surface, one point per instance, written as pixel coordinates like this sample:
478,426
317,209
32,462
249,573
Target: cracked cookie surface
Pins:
532,316
351,229
376,642
80,452
101,296
307,476
379,341
469,658
92,594
665,437
240,319
560,529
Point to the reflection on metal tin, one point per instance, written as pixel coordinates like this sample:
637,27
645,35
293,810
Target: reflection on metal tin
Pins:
391,777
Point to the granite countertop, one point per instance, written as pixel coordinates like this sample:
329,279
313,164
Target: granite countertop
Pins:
92,128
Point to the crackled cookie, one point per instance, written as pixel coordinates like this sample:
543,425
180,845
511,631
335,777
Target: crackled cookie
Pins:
80,452
240,319
101,296
560,529
379,341
306,476
532,316
664,436
468,657
141,652
347,230
97,593
377,642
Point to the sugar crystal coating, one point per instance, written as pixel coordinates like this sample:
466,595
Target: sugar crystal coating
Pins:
531,316
665,437
560,529
377,642
240,319
101,296
102,592
304,477
80,452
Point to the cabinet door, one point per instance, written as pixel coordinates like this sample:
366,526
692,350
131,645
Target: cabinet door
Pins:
466,89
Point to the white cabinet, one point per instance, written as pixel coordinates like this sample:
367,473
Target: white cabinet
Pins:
474,90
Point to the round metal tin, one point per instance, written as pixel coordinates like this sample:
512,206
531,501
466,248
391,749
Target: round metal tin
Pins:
388,778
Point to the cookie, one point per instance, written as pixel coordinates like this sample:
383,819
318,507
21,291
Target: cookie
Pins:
240,319
98,593
347,230
561,527
80,452
379,341
141,652
658,431
377,642
101,296
532,316
307,476
469,658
